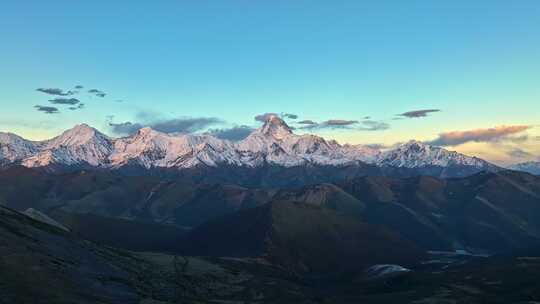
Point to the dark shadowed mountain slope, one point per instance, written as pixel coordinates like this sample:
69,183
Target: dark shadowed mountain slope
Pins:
301,238
42,264
121,233
328,196
109,194
490,211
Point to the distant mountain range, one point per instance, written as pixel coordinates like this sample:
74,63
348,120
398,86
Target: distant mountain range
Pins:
532,167
267,151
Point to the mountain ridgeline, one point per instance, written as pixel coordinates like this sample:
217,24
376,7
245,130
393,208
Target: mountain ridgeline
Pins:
270,156
483,213
532,167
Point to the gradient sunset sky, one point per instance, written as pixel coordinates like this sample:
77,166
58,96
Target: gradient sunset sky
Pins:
362,71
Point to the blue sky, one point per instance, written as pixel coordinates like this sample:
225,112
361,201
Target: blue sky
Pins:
476,61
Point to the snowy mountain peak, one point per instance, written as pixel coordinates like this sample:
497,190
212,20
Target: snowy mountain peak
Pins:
78,146
83,126
145,131
275,127
416,154
82,129
76,136
415,145
14,148
8,138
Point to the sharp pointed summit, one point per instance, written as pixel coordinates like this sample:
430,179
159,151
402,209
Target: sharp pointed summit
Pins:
276,127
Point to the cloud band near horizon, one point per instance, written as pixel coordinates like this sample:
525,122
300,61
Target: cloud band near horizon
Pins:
494,134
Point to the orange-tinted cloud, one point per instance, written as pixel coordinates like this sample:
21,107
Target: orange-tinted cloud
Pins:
495,134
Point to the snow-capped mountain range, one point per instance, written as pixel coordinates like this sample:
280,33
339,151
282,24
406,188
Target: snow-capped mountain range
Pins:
272,144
